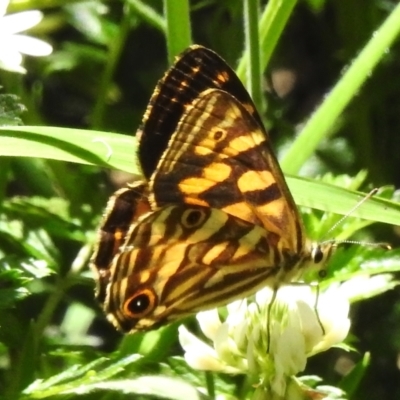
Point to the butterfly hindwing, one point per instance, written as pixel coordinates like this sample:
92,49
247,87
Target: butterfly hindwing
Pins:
182,259
122,211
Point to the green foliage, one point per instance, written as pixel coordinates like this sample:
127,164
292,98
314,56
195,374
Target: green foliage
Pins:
55,181
10,110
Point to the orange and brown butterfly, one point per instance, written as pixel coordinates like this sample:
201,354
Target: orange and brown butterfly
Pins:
213,220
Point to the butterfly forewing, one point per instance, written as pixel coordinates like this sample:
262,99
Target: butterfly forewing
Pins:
221,157
195,70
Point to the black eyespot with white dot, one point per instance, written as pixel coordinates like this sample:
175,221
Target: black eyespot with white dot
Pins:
140,304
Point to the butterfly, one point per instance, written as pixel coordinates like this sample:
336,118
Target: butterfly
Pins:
212,220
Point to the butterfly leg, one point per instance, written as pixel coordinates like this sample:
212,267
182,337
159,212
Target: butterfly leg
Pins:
316,309
273,299
269,310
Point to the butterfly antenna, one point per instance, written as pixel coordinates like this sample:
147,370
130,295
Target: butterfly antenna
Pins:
372,193
381,245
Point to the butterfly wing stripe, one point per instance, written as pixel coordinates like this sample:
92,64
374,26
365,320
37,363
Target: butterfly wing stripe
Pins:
232,286
203,286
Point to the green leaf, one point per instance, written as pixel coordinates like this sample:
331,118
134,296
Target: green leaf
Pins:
78,379
51,215
322,121
10,110
337,199
361,262
12,286
74,145
352,380
178,29
158,386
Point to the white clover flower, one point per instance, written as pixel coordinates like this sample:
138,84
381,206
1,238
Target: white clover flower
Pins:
12,44
271,338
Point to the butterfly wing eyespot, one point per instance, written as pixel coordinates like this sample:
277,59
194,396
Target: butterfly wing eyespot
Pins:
193,218
219,135
140,304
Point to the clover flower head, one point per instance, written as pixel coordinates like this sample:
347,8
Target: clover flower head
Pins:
13,44
270,338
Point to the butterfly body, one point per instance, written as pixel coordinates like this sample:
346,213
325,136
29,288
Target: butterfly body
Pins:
213,220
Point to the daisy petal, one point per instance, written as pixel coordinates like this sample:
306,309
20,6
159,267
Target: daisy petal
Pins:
31,46
20,21
10,60
3,7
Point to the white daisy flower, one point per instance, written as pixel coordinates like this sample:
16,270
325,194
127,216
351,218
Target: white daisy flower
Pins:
270,341
13,44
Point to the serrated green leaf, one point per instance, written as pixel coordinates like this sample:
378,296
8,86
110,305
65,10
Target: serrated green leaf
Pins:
50,215
158,386
360,261
79,378
10,109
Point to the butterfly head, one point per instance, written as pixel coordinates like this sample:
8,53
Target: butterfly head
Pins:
320,254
